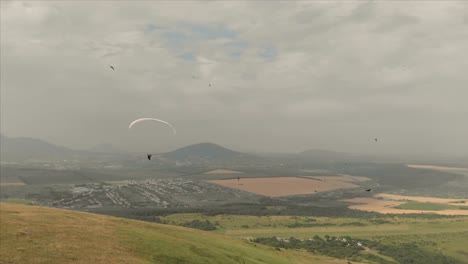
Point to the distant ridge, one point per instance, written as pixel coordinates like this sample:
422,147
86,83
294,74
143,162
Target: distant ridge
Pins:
22,148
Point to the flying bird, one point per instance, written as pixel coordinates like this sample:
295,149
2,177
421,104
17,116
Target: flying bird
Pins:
112,67
375,139
149,156
368,190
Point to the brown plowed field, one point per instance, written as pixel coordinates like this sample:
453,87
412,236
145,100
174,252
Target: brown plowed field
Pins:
285,186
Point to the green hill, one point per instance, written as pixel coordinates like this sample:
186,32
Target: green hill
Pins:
32,234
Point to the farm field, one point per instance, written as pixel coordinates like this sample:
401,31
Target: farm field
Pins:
433,167
399,204
447,235
223,172
390,207
342,178
303,227
285,186
45,235
422,199
430,206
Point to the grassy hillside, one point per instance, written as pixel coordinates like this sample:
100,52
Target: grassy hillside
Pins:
32,234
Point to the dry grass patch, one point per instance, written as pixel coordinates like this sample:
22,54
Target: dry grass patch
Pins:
422,199
32,234
432,167
388,206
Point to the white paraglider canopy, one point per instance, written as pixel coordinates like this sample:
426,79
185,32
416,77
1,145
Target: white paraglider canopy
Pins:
152,119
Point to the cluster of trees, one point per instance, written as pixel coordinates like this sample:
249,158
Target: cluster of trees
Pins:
343,247
202,225
255,209
412,253
349,248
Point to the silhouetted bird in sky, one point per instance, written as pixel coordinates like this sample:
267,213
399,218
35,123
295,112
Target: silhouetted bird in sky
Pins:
149,156
375,139
368,190
112,67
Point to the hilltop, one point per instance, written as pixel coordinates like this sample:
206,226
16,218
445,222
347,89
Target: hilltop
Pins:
32,234
206,152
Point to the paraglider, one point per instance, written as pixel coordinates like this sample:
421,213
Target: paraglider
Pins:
152,119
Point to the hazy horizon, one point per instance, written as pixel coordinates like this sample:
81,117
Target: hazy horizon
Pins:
285,76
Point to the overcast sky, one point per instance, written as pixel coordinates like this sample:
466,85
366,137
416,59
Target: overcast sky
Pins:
285,76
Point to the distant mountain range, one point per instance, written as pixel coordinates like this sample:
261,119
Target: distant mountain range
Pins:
23,148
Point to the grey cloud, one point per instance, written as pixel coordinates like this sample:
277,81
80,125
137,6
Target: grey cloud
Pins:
343,72
396,22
